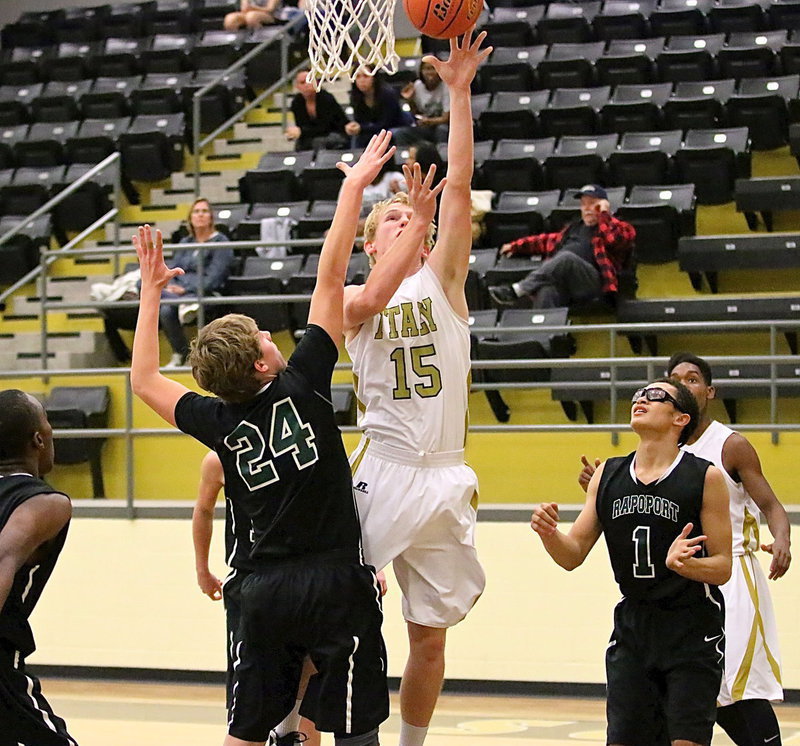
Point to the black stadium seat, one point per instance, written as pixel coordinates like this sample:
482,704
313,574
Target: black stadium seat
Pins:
698,104
760,104
579,160
567,22
152,148
277,178
660,215
570,65
644,158
517,165
635,108
679,17
628,61
574,111
80,407
712,160
513,115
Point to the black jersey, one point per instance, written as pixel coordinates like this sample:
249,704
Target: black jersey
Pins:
238,535
30,579
283,457
640,522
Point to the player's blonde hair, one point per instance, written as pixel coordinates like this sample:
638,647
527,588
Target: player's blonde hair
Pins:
378,211
223,358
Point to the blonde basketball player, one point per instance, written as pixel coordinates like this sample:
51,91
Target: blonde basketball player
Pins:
407,334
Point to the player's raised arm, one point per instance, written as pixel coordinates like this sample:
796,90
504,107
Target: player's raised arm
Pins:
364,301
571,549
450,257
327,299
160,393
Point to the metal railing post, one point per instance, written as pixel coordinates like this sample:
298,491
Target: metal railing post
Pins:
196,147
43,308
773,385
612,353
117,200
129,478
201,288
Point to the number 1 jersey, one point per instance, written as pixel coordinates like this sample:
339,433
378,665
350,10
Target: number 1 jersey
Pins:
411,368
640,522
283,457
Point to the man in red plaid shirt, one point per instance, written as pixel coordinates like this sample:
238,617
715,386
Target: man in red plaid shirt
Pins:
581,262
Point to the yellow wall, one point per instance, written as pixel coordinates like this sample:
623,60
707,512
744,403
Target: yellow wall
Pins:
124,594
512,467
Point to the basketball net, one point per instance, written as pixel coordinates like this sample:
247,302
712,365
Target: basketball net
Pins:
345,35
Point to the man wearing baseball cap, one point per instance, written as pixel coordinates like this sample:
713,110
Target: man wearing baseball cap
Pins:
580,263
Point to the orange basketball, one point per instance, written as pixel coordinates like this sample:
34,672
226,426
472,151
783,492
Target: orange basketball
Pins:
443,19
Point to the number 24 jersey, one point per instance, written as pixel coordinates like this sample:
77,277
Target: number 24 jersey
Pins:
283,457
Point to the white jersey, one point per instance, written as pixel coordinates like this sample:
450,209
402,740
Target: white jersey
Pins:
411,367
745,515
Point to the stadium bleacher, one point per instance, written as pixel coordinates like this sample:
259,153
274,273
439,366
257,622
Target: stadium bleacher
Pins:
666,103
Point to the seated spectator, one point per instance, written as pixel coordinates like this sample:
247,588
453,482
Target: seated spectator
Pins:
319,120
215,271
214,274
430,104
252,14
376,107
581,262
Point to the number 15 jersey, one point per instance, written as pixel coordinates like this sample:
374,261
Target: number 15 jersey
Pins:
411,369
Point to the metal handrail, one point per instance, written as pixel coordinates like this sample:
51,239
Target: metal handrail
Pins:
114,158
283,37
129,433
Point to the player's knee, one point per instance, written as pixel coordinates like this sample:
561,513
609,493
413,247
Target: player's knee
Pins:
370,738
426,643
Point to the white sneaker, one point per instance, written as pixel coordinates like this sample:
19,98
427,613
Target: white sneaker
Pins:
176,361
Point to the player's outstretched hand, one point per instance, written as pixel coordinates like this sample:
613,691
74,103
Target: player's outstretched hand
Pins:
683,549
210,584
587,472
382,584
421,194
465,55
150,251
781,557
364,171
544,520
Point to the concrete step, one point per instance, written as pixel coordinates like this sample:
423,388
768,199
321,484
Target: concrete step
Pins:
69,342
98,356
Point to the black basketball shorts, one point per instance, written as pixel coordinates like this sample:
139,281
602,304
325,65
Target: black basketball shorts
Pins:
664,668
329,610
25,715
232,599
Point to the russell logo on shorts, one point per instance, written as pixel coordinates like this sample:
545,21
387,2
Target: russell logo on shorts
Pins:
361,487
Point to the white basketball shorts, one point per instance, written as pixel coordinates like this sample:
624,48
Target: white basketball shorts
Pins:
418,511
752,657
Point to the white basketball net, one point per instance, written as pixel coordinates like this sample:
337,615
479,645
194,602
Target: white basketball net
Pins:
345,35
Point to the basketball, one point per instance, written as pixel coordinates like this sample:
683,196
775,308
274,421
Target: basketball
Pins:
443,19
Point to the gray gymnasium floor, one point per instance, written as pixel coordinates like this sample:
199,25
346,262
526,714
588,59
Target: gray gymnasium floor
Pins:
101,713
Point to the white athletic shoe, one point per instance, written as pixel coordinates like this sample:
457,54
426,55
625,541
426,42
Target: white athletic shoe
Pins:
176,361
